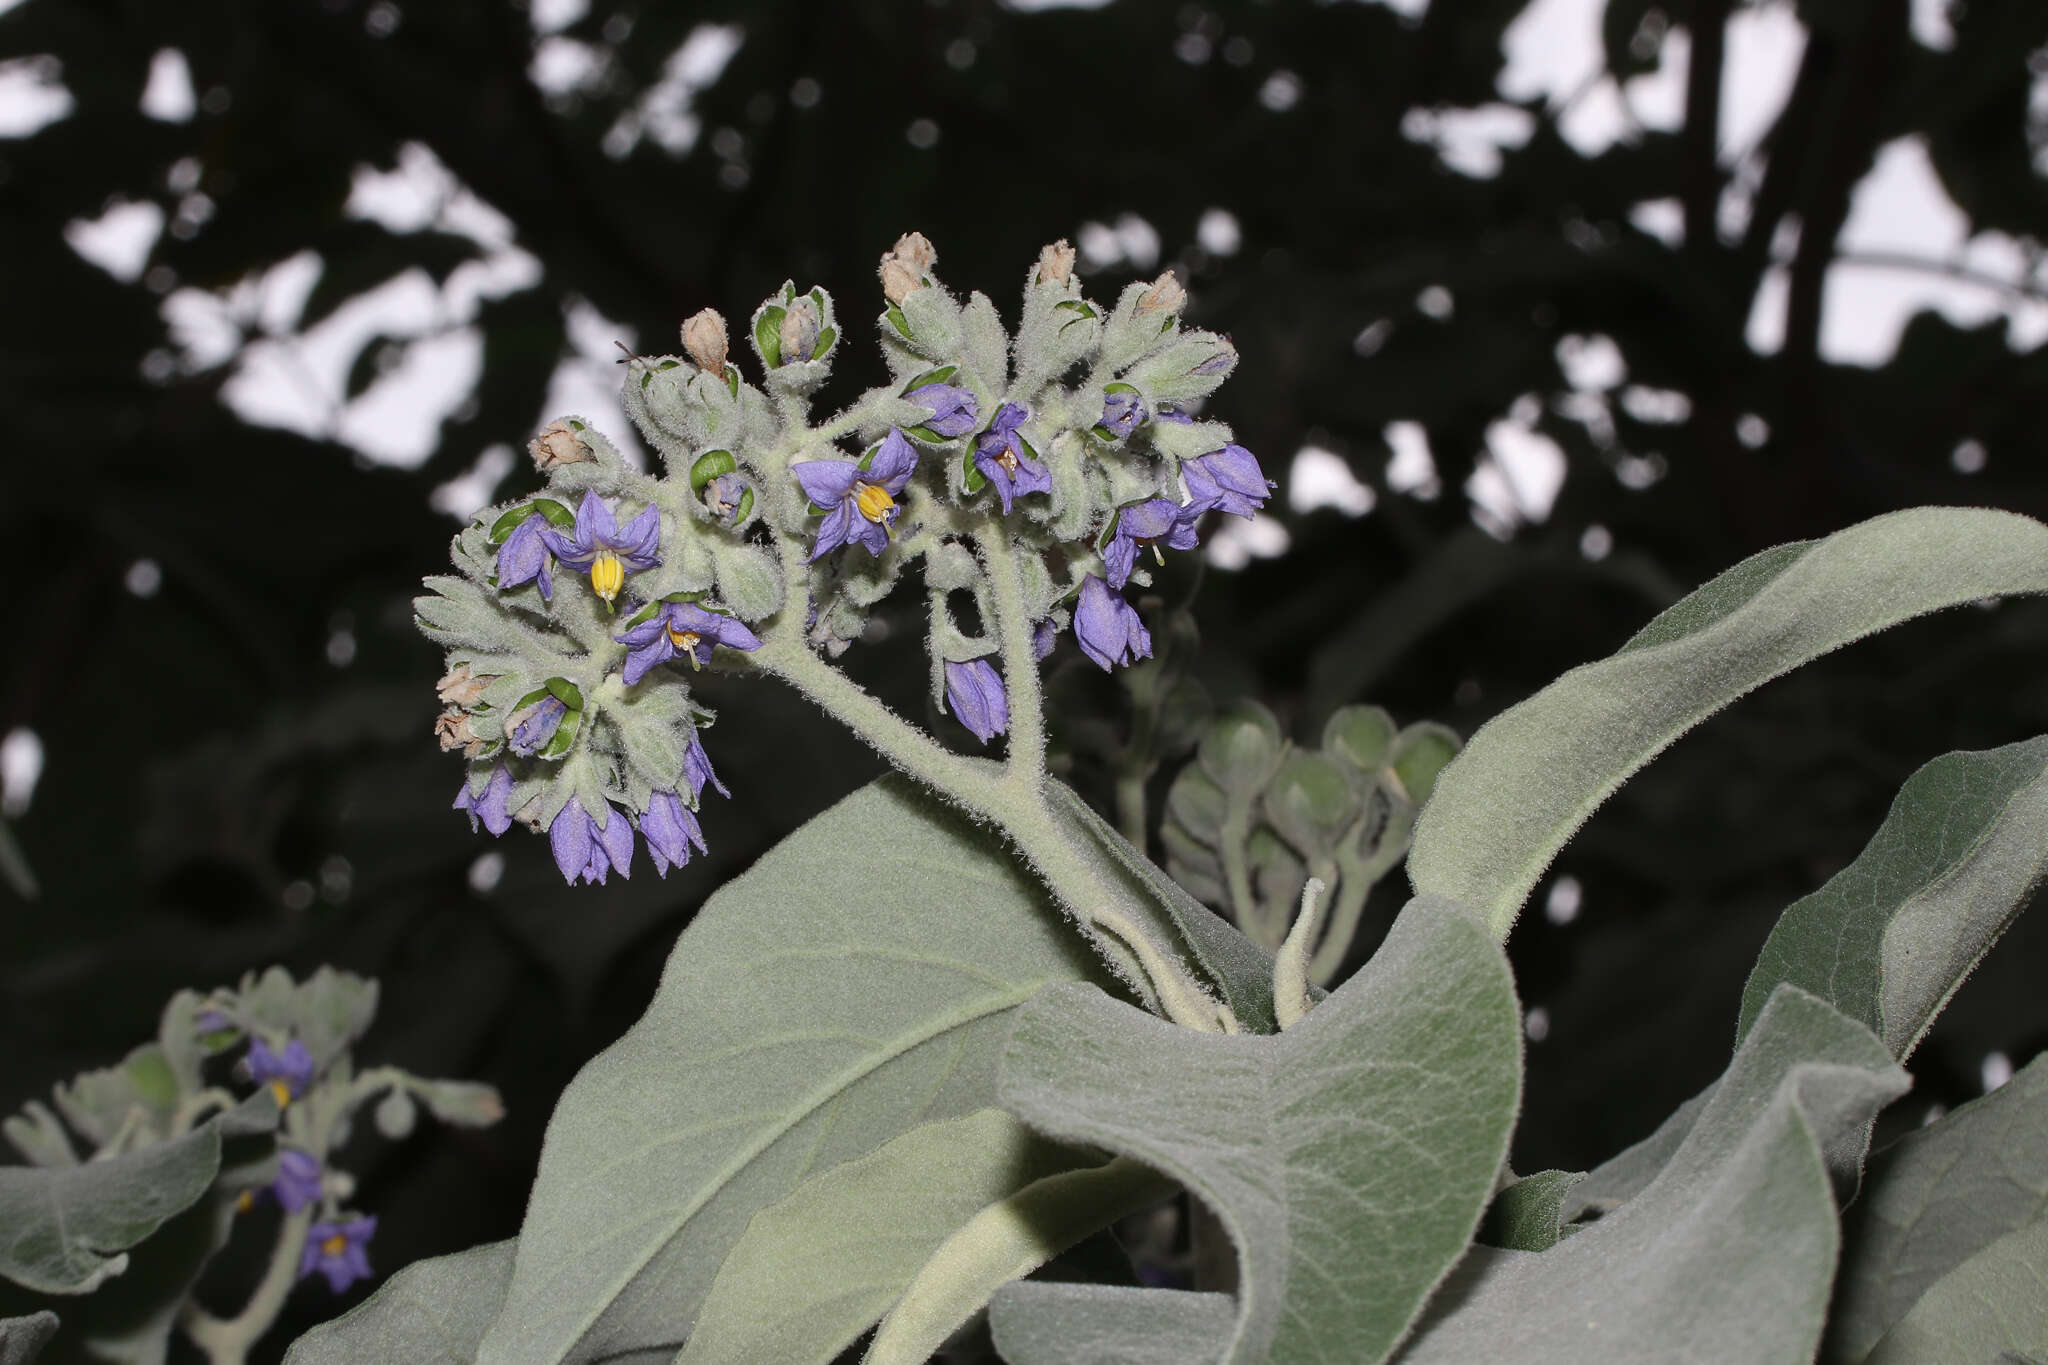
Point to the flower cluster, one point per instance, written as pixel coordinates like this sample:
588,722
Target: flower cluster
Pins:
581,617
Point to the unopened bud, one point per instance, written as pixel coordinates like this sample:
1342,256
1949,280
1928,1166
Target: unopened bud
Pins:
704,339
460,687
452,729
1056,263
558,444
800,324
899,281
915,250
1165,295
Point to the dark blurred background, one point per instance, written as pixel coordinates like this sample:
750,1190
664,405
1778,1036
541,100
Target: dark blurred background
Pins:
1548,312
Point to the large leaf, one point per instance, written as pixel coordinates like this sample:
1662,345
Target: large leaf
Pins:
1349,1157
856,983
1992,1307
1937,1197
1003,1242
1891,936
1062,1324
1532,775
1529,1214
433,1312
1239,967
22,1339
1727,1254
817,1269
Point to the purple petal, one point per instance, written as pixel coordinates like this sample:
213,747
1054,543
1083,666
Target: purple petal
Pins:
571,551
872,534
734,635
524,555
1229,480
617,839
648,657
697,769
595,524
531,732
547,582
642,536
1007,419
670,828
493,806
954,411
1108,628
834,529
646,632
826,482
975,696
466,803
893,463
569,839
1043,638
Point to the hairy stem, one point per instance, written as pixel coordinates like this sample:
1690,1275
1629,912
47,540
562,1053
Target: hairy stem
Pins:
226,1341
1130,808
1020,663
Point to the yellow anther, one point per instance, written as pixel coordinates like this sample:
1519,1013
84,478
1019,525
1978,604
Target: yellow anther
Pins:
607,575
245,1201
283,1091
686,642
874,501
334,1245
1007,458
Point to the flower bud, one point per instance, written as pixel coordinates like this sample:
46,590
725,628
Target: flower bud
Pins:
904,266
1056,263
1312,800
1242,747
452,729
899,281
1165,295
704,339
1361,735
460,687
1421,752
799,334
916,250
558,444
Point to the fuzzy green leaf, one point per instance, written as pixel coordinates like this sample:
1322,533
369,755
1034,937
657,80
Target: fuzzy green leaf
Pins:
1529,1214
1531,776
1992,1307
858,982
1059,1324
1727,1254
433,1312
1937,1197
1891,936
815,1270
1350,1157
66,1229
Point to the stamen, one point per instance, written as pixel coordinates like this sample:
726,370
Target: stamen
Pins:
283,1092
874,502
334,1245
1007,458
607,575
686,642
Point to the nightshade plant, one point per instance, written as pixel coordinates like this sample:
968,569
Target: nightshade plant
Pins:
956,1025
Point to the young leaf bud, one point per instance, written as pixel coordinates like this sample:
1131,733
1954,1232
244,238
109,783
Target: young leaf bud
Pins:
559,444
704,339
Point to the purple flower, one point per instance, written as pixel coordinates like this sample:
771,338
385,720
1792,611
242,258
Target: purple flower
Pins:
488,805
1171,414
1122,414
975,696
723,495
685,629
582,849
1147,523
287,1072
532,731
338,1251
600,547
298,1180
211,1021
524,557
1107,627
697,770
1043,638
670,827
860,504
1001,456
954,411
1229,480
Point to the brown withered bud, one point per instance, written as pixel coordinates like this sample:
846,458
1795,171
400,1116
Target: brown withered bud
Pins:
899,281
460,687
800,325
1056,263
558,444
704,339
1165,295
916,250
452,729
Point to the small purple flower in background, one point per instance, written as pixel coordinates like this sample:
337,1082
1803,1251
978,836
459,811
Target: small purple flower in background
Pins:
1122,414
670,827
287,1072
1107,627
975,696
298,1180
532,731
681,629
582,849
1172,414
211,1021
954,411
600,547
1000,455
1147,523
338,1250
860,504
1043,637
1229,480
723,496
697,769
488,805
524,557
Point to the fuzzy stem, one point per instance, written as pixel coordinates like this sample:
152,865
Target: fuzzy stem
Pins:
226,1341
1130,808
1020,663
1290,966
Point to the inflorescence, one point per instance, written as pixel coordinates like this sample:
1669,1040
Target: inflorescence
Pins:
578,617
